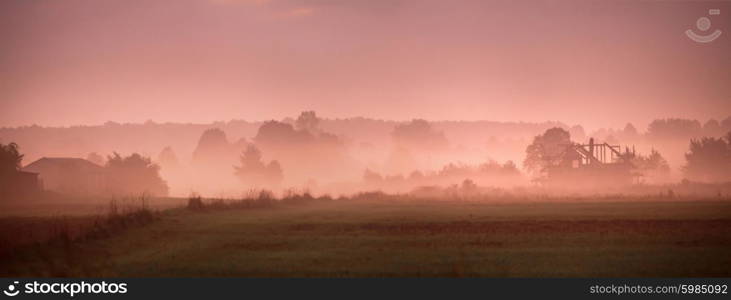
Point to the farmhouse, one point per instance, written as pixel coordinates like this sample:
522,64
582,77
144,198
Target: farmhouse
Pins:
68,175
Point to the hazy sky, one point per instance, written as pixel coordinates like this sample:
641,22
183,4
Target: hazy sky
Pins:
596,63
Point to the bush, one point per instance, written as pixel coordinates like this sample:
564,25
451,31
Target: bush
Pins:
195,202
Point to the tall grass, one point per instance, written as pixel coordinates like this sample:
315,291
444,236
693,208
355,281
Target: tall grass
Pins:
254,199
53,244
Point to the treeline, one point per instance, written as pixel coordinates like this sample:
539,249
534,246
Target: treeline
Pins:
150,138
503,139
490,173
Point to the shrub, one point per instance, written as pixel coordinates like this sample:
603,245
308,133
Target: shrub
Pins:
195,202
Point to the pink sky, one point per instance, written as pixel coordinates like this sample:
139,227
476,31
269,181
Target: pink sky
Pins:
595,63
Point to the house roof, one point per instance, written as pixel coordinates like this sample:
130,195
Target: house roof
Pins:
47,163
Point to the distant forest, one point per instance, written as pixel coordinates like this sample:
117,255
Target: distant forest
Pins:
311,151
150,138
501,140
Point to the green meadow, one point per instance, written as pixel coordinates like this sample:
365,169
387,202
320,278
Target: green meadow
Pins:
417,238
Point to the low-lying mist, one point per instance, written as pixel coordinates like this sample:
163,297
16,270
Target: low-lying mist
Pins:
347,156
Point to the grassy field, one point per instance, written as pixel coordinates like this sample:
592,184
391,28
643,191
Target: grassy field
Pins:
363,238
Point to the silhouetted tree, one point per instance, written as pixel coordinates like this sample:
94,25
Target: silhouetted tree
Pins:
276,133
307,120
577,131
251,158
709,159
255,173
547,150
673,129
134,174
655,161
509,168
419,135
629,133
10,160
652,166
325,154
167,158
212,146
468,187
